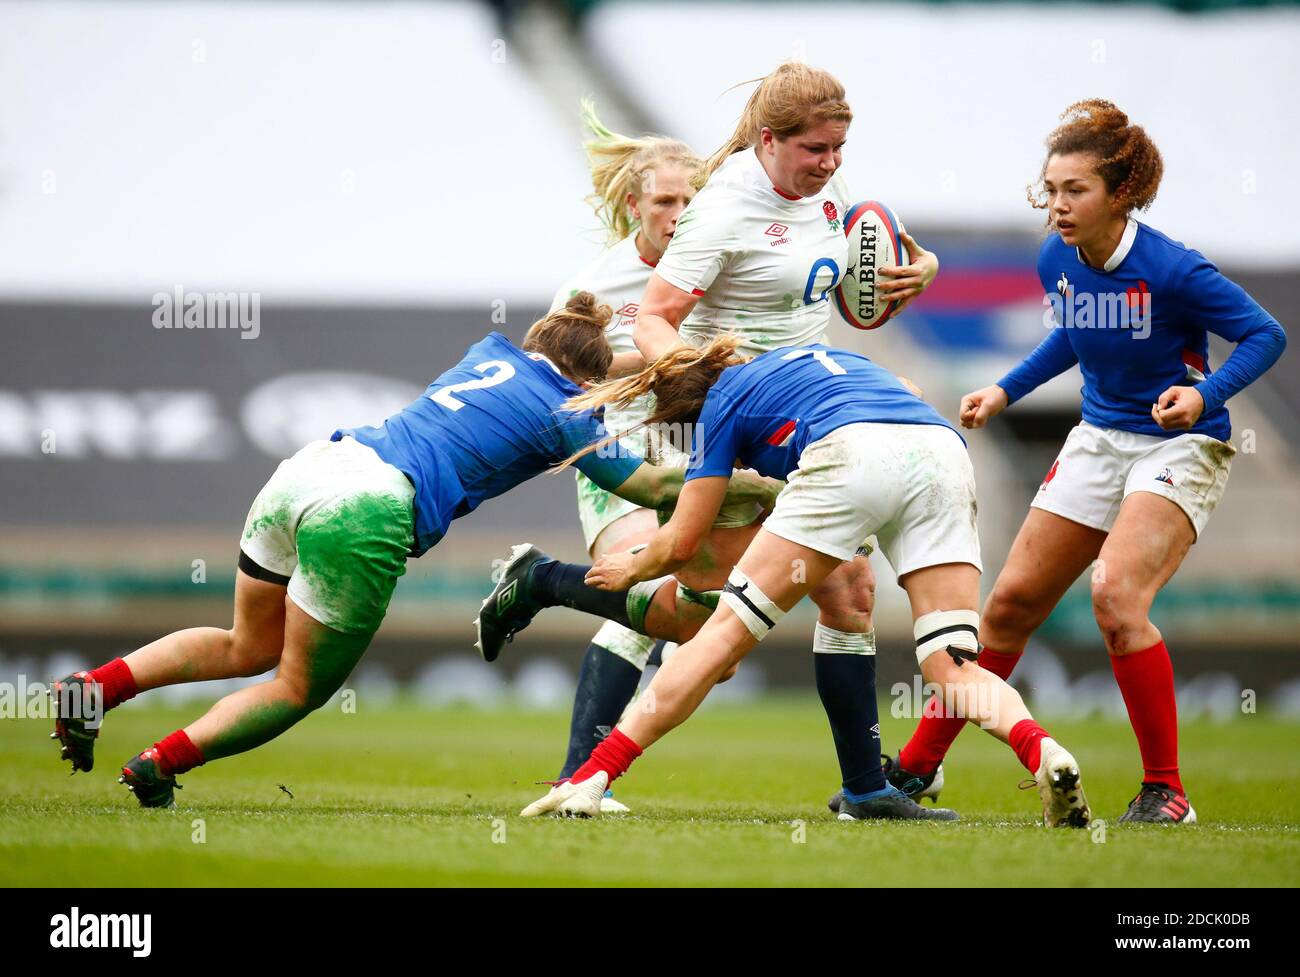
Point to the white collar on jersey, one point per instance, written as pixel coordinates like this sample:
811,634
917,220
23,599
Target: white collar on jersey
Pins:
743,169
1121,251
534,355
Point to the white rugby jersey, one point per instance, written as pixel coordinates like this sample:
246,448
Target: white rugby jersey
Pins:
618,277
762,264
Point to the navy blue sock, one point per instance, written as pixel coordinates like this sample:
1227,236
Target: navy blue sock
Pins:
847,686
561,584
606,684
656,654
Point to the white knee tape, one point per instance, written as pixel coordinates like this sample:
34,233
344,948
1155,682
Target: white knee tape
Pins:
750,604
633,648
939,630
828,641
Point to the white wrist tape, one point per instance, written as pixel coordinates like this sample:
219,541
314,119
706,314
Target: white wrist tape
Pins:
750,604
955,631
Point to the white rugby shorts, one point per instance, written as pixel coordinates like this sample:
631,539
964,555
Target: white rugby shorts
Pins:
1099,467
338,521
910,485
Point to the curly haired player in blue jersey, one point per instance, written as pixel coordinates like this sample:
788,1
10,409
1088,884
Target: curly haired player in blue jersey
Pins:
1137,480
329,535
862,456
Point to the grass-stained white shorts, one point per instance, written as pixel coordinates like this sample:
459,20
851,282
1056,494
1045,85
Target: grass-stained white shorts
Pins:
1099,467
910,485
733,515
339,522
597,508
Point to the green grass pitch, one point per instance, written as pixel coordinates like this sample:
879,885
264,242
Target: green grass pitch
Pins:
406,796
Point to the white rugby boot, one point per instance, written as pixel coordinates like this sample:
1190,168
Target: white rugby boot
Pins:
1060,785
570,800
608,805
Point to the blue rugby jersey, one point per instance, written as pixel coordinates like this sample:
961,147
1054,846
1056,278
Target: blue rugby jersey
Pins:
488,424
1139,326
766,411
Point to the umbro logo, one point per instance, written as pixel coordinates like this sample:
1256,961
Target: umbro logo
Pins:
778,231
507,598
628,311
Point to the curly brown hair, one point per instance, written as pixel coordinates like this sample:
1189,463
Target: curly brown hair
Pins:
1127,160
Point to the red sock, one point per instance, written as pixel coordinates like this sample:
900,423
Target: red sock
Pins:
1026,739
934,734
614,754
116,682
1146,680
177,754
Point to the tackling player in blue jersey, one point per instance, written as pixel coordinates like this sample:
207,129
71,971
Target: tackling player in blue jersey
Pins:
1137,480
862,456
329,535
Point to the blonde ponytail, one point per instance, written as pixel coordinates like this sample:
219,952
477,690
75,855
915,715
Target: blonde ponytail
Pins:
619,166
680,381
790,100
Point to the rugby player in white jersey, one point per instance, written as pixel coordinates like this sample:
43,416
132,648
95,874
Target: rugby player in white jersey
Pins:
641,186
757,254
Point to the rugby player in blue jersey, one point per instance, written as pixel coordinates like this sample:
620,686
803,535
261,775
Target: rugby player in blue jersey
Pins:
1137,480
862,456
329,535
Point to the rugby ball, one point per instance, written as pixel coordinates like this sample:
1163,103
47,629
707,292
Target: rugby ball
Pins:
872,230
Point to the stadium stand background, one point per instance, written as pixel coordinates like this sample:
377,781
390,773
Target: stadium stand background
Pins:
392,180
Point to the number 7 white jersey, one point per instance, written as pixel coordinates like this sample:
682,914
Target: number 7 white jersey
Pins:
763,265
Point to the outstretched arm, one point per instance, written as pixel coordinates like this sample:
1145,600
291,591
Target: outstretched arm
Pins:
659,486
673,546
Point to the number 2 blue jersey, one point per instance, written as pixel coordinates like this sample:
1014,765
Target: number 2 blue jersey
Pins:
766,411
488,424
